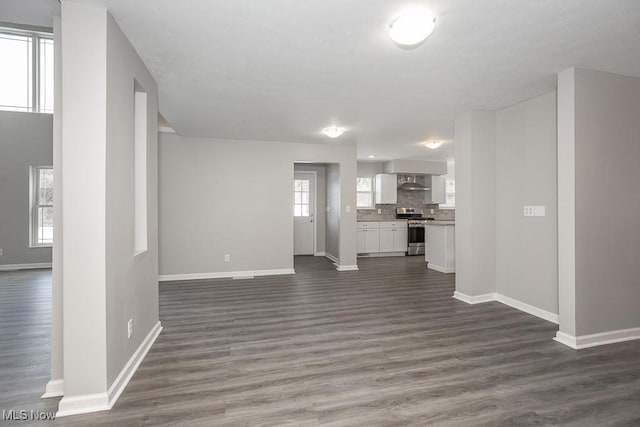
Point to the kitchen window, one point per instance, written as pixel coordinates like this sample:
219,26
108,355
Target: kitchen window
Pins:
364,195
450,194
301,192
26,75
41,212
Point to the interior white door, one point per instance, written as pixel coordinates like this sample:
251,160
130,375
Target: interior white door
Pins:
304,200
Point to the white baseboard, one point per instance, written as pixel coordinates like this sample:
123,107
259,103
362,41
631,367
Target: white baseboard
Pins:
104,401
54,388
431,266
527,308
331,257
347,267
474,299
514,303
601,338
320,254
224,274
381,254
32,266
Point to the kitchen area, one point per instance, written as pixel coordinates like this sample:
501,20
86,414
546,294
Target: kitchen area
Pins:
407,208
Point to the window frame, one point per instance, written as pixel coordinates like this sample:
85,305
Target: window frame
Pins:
36,35
446,193
301,204
35,205
371,192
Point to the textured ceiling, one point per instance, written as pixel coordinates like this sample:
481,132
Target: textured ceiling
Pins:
285,69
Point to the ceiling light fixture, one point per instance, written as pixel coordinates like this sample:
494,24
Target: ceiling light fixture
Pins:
412,28
433,144
333,132
372,156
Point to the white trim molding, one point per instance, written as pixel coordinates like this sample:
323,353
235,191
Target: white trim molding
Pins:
320,254
514,303
104,401
431,266
527,308
332,258
601,338
33,266
54,388
224,274
474,299
347,267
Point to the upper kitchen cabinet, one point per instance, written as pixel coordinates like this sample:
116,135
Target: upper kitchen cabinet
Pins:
438,194
386,189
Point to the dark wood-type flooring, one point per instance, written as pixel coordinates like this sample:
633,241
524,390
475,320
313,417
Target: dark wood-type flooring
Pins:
383,346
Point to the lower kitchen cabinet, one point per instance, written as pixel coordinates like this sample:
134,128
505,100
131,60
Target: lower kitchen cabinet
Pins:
381,237
440,251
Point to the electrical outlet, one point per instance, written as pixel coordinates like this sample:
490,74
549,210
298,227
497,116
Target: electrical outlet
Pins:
348,208
226,258
130,328
1,251
379,211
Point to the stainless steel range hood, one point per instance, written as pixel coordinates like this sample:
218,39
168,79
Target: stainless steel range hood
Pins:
410,183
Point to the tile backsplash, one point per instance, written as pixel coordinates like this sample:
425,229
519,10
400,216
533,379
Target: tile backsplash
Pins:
406,199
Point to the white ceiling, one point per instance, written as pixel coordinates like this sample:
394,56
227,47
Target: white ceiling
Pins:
285,69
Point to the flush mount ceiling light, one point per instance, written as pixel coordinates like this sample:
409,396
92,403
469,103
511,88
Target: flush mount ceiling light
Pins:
372,156
433,144
412,28
333,132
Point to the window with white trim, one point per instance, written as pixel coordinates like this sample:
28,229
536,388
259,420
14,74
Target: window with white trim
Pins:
364,195
450,194
41,212
26,74
301,193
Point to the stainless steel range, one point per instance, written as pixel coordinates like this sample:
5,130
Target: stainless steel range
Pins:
416,224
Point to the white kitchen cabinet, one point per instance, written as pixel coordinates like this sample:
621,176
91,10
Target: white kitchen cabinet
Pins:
400,236
386,189
440,247
360,236
438,192
372,241
386,239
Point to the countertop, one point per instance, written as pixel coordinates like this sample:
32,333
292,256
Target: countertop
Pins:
428,221
441,222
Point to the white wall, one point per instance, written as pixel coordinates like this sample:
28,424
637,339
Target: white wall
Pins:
334,214
526,247
604,113
26,139
234,197
475,155
104,284
132,281
321,200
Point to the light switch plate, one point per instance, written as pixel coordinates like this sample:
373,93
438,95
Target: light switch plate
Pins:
534,211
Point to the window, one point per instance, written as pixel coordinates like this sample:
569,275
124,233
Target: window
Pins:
450,194
301,191
26,74
364,194
41,196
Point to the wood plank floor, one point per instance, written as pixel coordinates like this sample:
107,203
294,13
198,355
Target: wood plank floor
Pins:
383,346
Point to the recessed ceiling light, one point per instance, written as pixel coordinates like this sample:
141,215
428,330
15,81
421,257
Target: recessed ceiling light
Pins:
333,132
433,144
412,28
372,156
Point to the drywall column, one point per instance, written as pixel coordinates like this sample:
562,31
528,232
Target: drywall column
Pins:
599,248
84,102
566,204
526,247
475,155
54,387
